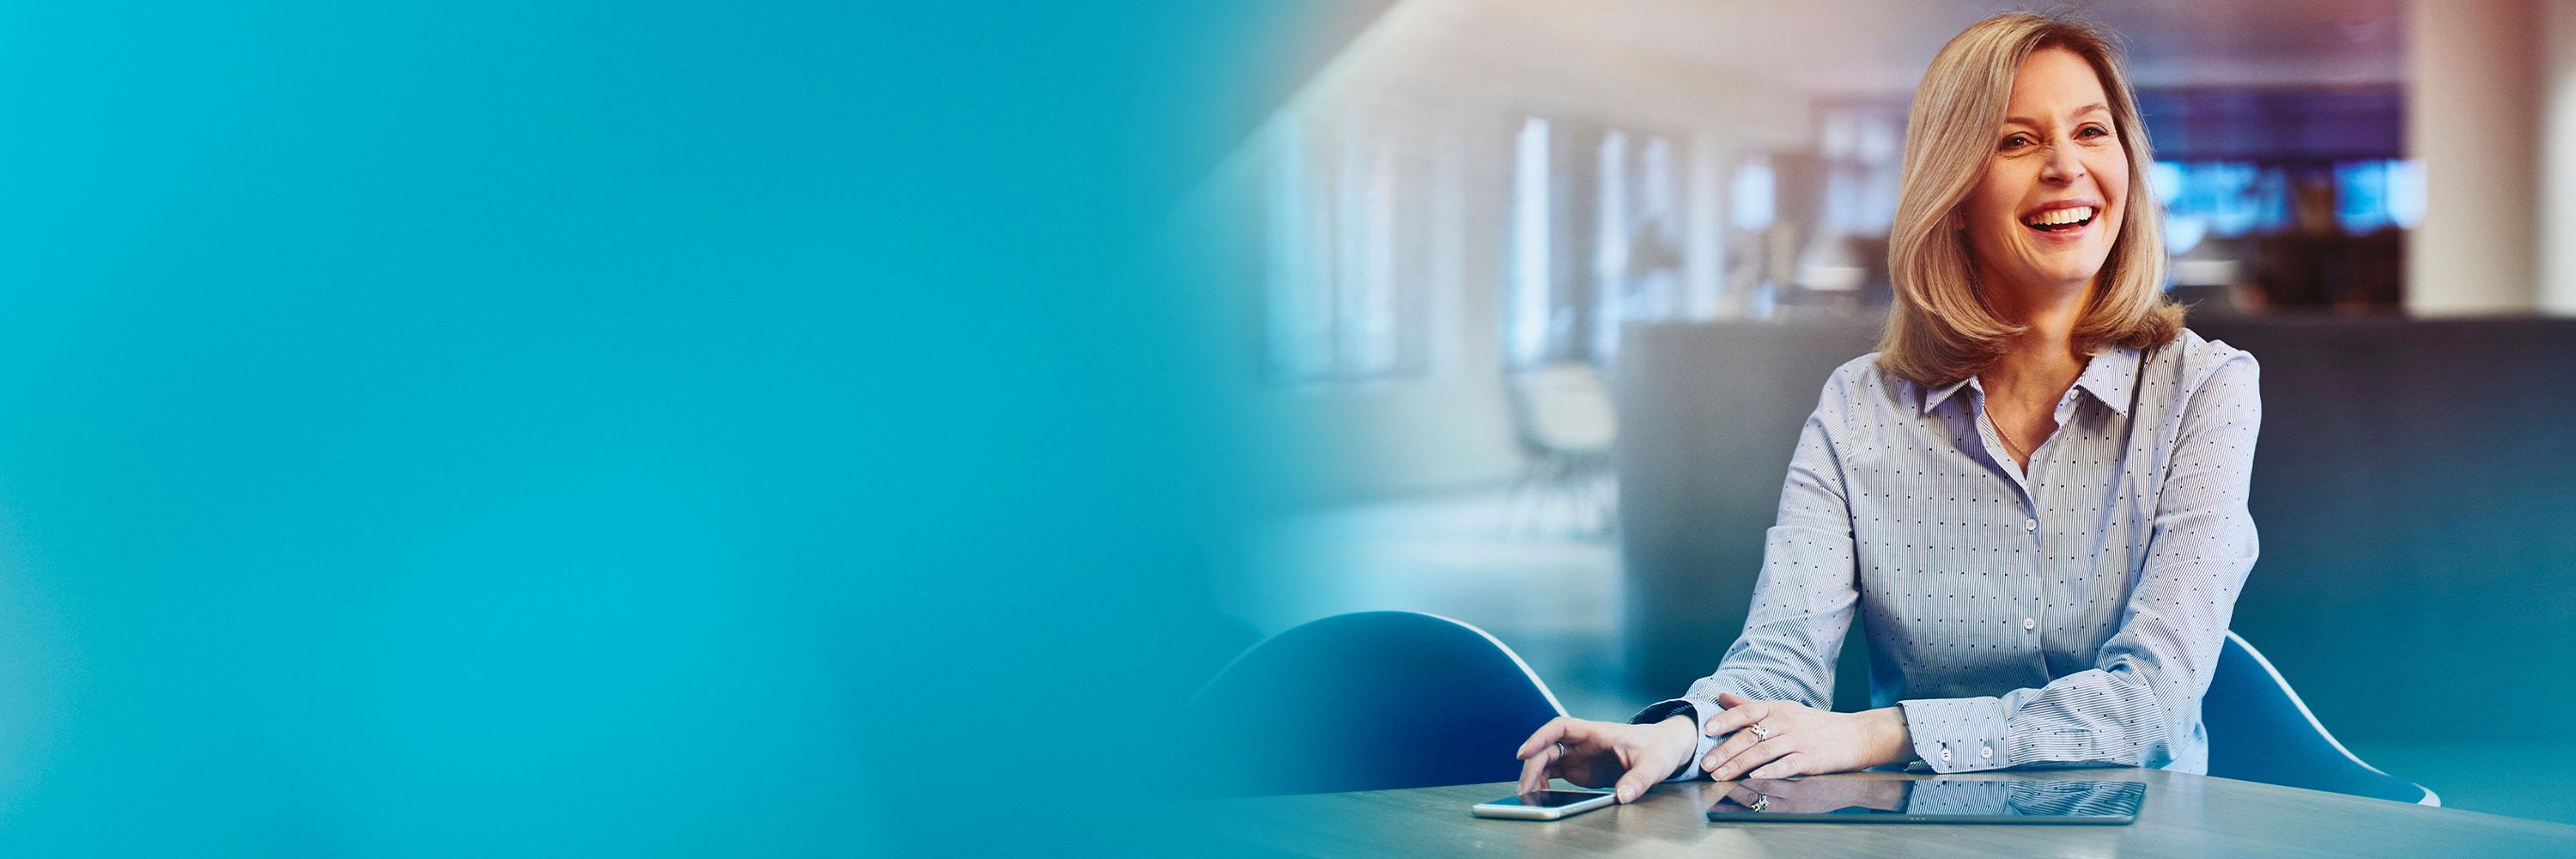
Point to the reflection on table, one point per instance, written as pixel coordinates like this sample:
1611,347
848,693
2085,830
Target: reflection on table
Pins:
1867,797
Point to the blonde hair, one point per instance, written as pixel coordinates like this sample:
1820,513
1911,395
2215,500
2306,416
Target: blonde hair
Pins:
1942,329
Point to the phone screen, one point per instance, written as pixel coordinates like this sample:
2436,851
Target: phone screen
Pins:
1550,798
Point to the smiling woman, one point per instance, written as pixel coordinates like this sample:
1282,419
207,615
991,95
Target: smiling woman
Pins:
2019,116
2034,493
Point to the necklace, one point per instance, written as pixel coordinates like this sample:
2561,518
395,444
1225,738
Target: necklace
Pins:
2006,437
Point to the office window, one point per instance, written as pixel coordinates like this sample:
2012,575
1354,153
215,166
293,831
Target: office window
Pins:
1596,239
1862,147
1533,312
1341,298
1754,190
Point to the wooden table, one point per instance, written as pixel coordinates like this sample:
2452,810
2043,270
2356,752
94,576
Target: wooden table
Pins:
2192,816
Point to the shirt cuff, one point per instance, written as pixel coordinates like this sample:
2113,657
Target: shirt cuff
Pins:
1955,735
1700,712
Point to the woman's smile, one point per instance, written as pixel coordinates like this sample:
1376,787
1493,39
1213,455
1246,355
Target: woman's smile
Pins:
2064,221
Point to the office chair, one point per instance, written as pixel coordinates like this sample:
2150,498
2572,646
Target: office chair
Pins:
1562,415
1365,701
2259,730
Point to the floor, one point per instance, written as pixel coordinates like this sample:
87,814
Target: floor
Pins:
1545,579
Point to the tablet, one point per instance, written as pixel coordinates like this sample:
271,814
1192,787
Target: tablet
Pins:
1866,798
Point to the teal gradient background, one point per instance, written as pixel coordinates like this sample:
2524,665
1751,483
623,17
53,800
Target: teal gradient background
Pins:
600,429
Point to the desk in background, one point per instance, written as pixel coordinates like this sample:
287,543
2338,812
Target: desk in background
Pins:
2186,817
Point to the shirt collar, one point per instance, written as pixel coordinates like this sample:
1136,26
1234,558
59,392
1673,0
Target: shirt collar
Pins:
2107,377
1932,398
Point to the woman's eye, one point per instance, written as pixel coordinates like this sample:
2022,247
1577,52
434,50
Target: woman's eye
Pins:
2092,131
2014,142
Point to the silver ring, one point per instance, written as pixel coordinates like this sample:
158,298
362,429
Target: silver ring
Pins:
1761,802
1560,750
1760,733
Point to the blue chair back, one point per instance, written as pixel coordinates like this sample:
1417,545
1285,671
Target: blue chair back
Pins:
1366,701
2259,730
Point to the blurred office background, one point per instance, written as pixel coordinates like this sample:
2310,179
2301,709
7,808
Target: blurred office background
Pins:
1537,294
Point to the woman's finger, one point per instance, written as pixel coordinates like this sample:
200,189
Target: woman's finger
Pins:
1736,717
1793,763
1753,756
1744,738
1732,746
1545,737
1634,783
1577,733
1534,768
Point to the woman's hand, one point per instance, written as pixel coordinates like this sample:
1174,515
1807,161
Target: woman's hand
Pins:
1802,740
1593,754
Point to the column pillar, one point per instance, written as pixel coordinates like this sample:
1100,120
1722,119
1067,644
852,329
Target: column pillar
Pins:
2555,88
2473,119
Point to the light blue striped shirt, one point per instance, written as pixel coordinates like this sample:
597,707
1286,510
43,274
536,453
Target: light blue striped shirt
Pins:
2068,616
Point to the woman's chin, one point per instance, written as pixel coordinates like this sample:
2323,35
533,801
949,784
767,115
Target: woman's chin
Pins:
2076,280
2076,275
2056,280
2063,272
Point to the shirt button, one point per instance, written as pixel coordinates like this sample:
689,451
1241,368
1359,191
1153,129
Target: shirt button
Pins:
1987,752
1945,754
2029,623
2030,524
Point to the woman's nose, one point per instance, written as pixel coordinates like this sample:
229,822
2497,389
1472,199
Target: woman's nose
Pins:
2062,167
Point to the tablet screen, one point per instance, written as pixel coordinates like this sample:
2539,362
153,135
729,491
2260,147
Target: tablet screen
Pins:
1899,800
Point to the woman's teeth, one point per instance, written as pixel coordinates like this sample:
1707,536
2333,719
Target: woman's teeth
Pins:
2059,219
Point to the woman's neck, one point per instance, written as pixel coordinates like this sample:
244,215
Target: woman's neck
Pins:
2041,362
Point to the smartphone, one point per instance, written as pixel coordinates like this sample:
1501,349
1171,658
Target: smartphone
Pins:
1546,804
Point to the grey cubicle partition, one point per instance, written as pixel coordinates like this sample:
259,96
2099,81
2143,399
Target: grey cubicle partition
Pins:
2415,490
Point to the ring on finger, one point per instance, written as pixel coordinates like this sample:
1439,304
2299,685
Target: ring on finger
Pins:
1760,732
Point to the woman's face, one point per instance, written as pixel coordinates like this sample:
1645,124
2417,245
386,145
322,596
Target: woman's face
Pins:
2043,217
